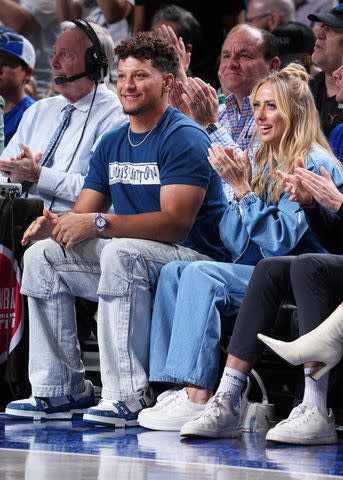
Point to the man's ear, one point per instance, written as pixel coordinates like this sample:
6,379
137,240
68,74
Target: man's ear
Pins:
275,63
168,83
28,75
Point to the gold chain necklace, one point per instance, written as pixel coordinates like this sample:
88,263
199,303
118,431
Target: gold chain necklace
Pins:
140,143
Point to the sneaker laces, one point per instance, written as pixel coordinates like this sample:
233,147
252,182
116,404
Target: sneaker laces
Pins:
212,408
302,413
311,414
174,398
297,411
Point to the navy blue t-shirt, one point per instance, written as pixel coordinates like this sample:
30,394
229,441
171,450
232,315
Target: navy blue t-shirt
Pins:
175,152
13,117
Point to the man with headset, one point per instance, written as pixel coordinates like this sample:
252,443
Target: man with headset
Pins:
167,201
59,161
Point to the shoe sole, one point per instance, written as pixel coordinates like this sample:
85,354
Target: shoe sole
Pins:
327,440
108,421
198,432
44,416
160,426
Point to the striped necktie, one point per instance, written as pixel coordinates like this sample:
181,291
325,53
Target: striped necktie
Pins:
48,157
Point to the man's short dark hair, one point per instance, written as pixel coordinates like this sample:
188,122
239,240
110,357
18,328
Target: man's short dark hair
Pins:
149,46
188,25
270,45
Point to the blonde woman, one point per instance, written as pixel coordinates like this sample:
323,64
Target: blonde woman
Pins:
260,222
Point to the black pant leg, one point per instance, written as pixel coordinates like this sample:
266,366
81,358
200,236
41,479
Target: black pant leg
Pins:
317,281
268,287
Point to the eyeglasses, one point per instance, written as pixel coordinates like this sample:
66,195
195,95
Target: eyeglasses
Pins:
252,19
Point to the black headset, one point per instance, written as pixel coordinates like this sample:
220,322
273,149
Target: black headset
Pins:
96,60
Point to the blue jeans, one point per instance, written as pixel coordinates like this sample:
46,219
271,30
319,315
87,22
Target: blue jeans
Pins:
186,322
121,274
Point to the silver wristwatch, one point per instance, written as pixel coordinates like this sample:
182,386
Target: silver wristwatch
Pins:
100,222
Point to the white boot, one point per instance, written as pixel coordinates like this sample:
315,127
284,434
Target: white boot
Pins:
323,344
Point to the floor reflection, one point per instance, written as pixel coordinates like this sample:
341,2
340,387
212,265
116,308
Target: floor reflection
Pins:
136,453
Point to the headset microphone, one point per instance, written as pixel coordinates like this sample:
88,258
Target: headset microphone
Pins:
62,80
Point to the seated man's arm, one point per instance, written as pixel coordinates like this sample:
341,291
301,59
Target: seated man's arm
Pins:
179,207
91,201
17,17
115,10
25,168
68,9
62,185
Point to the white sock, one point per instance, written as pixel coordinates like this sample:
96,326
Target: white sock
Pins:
315,390
232,382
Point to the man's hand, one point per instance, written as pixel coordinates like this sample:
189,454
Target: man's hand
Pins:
175,99
167,33
201,100
40,228
23,168
73,228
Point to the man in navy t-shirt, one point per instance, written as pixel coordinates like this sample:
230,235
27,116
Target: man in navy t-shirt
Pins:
17,60
167,202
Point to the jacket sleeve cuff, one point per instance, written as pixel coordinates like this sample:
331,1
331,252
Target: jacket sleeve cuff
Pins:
248,200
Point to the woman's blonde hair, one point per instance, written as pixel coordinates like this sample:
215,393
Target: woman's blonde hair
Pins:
295,103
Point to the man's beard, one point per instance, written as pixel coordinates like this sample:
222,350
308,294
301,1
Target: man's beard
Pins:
131,112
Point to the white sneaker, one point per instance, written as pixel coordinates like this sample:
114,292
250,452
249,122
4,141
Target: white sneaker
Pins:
220,419
306,425
173,410
164,398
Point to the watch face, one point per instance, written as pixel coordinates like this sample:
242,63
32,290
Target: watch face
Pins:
101,221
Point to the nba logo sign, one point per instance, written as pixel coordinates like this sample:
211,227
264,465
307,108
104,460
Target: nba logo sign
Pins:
11,304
